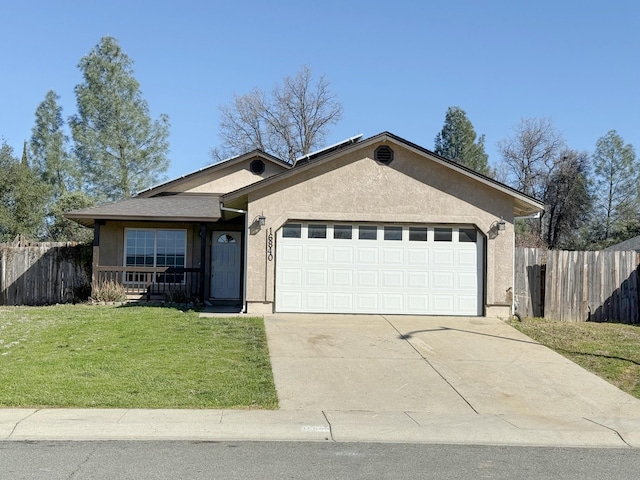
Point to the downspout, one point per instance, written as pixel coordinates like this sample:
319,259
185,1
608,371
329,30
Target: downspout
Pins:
244,254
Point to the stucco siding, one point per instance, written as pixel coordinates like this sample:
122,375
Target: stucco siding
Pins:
225,179
355,188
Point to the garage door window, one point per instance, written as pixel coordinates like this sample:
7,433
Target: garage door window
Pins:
442,234
469,235
417,234
292,230
367,233
342,232
393,233
317,231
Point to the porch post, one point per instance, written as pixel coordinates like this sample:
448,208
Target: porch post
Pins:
203,260
96,253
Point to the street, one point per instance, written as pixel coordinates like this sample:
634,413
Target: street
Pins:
283,460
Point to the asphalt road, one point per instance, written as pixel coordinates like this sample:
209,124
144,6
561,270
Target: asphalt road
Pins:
283,460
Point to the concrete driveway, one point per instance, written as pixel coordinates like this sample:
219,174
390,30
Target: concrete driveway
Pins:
442,365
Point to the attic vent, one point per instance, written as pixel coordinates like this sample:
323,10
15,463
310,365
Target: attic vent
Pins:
383,154
257,167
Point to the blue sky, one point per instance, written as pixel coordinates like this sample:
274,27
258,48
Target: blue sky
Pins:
395,66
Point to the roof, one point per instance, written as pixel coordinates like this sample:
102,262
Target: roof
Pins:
523,204
632,244
168,208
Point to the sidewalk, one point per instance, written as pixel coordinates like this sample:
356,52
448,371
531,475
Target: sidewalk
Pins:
319,426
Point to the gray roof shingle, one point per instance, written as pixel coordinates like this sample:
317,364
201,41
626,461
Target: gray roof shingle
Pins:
170,208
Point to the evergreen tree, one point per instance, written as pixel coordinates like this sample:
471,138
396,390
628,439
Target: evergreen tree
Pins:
22,209
120,149
457,141
49,148
60,228
617,173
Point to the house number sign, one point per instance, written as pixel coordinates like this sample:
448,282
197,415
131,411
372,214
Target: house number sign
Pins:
270,245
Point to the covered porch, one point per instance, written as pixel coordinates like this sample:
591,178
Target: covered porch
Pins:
176,248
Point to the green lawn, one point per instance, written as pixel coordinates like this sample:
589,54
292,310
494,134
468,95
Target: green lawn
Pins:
132,357
610,350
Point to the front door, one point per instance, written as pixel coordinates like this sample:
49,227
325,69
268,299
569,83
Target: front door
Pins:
225,265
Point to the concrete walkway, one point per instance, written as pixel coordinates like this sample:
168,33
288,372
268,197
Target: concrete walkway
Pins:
385,379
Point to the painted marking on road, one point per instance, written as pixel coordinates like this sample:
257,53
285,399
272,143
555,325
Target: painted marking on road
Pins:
316,428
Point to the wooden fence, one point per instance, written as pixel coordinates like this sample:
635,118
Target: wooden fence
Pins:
598,286
41,273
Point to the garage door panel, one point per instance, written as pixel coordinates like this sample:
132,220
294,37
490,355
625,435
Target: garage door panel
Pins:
290,301
467,281
367,255
342,278
467,304
417,257
379,276
366,302
417,280
442,303
392,279
442,280
290,254
290,277
417,303
392,256
317,278
392,302
342,302
367,279
318,254
316,301
443,257
342,255
467,258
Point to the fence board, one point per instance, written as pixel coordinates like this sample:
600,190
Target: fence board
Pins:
529,283
40,273
579,286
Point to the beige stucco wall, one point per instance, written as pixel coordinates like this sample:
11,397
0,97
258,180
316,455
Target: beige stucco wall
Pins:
355,188
223,180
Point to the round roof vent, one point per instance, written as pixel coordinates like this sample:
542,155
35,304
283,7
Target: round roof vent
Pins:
257,167
383,154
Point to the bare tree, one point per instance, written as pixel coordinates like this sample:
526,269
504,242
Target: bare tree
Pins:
289,123
529,157
530,153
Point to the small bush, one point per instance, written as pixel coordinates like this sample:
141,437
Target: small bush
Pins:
177,295
109,291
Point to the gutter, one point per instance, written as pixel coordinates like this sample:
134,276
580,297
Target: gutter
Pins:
244,253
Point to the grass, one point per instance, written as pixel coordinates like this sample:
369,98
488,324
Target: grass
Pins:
132,357
610,350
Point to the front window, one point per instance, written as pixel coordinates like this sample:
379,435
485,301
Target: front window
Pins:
156,248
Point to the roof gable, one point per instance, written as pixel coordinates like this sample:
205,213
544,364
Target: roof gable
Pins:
523,204
218,176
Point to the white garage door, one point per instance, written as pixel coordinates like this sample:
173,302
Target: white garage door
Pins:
352,268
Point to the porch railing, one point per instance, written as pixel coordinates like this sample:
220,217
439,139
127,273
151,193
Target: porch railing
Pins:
171,283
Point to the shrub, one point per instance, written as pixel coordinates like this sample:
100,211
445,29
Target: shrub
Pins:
109,291
177,295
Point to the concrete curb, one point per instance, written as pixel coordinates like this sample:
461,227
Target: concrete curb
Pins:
337,426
